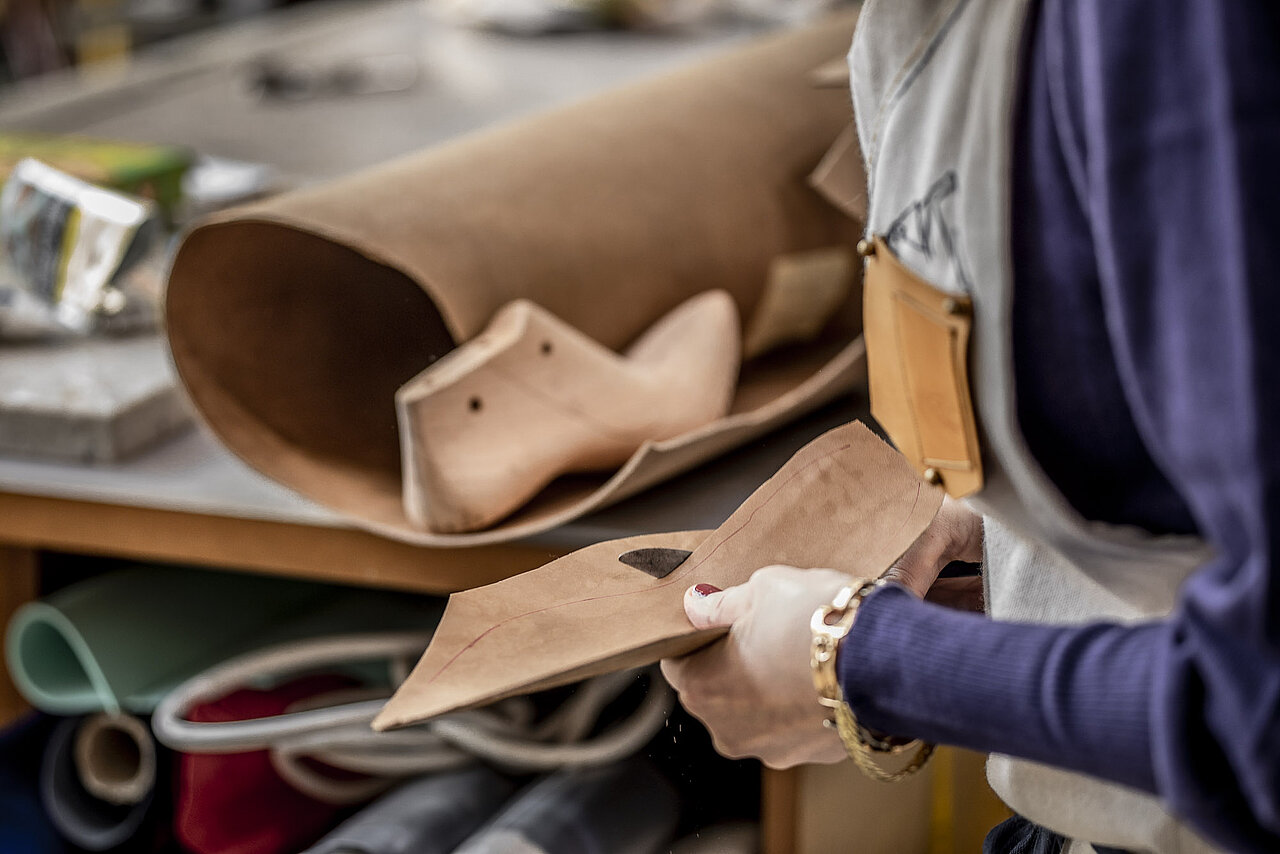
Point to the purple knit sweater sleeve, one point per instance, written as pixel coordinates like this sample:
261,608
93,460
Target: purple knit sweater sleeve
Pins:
1162,120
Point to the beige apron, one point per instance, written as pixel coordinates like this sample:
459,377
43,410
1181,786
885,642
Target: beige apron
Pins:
934,87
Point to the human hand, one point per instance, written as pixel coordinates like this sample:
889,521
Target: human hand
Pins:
753,688
954,534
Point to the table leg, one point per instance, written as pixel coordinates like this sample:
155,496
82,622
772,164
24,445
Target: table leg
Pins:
778,814
19,579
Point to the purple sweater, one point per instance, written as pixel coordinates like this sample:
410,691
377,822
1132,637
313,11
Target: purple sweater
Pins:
1146,235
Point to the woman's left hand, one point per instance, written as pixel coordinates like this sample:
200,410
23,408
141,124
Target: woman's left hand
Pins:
753,689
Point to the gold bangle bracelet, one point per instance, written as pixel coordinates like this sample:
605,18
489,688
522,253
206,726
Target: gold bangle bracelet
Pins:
829,625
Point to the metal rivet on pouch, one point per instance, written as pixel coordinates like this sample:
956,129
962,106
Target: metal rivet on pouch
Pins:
866,248
933,476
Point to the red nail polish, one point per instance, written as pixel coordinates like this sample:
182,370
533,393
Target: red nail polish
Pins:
705,589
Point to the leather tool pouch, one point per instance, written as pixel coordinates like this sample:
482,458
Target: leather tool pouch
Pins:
917,358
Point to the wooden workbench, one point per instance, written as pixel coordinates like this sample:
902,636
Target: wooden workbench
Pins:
189,501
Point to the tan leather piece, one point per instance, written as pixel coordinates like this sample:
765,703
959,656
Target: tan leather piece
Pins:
839,176
918,366
492,423
804,291
832,74
293,321
846,501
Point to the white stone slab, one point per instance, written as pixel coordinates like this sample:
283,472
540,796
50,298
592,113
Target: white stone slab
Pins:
90,401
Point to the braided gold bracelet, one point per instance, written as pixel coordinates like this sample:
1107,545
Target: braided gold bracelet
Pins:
830,624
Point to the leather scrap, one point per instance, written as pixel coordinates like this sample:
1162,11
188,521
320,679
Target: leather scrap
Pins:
845,501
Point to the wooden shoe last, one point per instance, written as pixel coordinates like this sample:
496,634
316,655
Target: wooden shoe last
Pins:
491,424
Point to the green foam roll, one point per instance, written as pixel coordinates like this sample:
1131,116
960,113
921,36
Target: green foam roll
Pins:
121,641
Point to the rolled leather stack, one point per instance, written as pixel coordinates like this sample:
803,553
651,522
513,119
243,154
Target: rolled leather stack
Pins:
294,321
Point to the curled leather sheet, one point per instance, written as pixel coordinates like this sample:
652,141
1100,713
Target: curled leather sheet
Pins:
294,321
845,501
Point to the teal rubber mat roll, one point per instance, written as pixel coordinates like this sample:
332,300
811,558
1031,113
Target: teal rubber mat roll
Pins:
120,641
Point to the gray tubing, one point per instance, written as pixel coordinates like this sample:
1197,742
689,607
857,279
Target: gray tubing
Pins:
341,736
86,821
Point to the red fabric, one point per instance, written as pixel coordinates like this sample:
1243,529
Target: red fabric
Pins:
236,803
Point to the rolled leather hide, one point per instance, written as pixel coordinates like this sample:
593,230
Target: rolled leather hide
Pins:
294,321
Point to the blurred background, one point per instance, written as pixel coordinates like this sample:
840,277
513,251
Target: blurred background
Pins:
39,36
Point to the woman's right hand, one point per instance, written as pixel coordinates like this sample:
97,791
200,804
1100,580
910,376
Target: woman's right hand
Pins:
954,534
